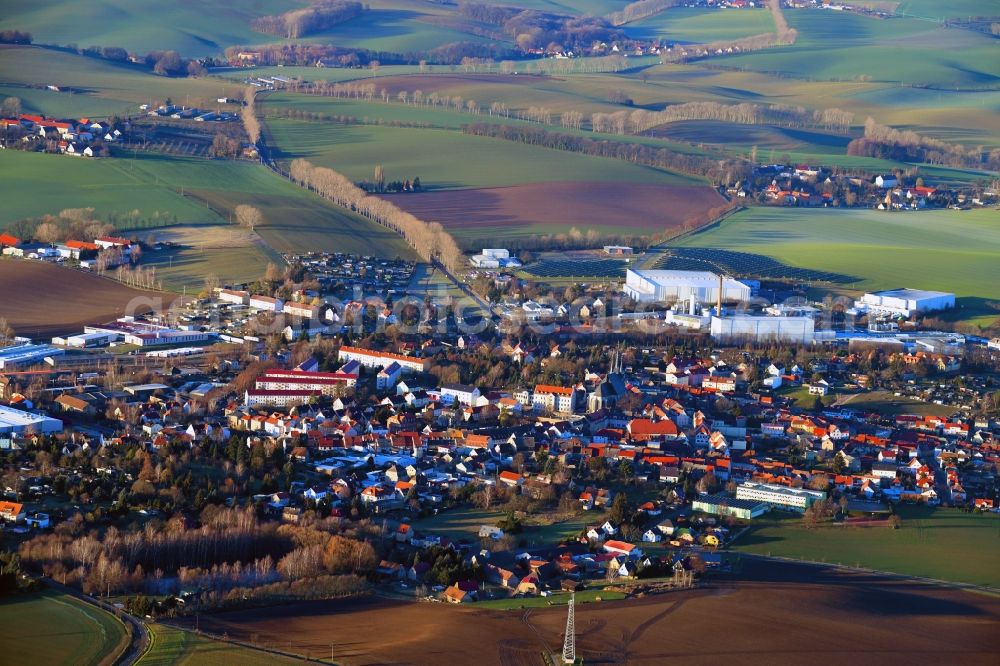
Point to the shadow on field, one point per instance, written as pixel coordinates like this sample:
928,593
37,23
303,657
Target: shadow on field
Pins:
892,602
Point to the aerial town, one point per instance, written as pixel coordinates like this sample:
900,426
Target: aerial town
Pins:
313,356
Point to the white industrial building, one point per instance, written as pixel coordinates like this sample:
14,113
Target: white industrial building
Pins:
787,329
904,302
782,497
494,258
658,286
16,422
86,340
21,355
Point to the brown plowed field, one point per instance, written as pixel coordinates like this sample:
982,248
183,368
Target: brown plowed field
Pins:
41,300
549,208
770,614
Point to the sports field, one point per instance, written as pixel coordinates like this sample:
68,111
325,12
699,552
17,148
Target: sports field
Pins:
173,647
57,630
941,250
940,543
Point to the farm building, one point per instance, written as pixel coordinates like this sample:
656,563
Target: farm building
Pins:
664,285
618,250
792,329
904,302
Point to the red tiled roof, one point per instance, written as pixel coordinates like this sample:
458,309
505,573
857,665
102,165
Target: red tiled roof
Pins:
645,427
557,390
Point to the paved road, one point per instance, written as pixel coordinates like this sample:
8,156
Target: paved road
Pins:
139,635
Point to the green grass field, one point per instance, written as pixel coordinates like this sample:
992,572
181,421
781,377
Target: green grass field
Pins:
297,221
98,87
934,10
198,192
202,251
692,24
447,159
377,112
886,403
853,46
882,402
52,629
942,250
464,523
173,647
192,29
36,184
946,544
395,30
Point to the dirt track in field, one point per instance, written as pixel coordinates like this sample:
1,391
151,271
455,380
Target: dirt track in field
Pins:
563,205
42,300
769,614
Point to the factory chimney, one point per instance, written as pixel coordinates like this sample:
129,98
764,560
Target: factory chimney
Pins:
718,307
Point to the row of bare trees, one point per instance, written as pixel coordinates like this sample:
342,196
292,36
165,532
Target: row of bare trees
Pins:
428,239
138,277
641,120
720,171
248,114
906,145
621,122
786,34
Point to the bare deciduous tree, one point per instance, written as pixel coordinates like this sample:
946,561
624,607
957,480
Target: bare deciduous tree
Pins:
248,216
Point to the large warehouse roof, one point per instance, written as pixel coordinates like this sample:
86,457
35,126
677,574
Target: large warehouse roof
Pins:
911,294
14,420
